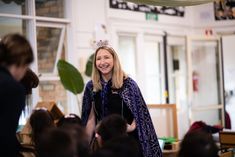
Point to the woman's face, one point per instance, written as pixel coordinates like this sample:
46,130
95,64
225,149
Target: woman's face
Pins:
104,62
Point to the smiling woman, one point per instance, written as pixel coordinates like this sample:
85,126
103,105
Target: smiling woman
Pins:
111,91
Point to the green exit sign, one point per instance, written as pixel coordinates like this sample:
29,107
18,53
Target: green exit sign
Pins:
151,16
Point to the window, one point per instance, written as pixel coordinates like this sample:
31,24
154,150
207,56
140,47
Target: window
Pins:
14,7
48,42
149,64
152,70
50,8
177,78
44,24
50,46
9,25
126,53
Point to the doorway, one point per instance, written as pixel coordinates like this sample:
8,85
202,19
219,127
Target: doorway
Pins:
205,81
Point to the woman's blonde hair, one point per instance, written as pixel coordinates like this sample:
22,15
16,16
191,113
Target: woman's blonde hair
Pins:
118,74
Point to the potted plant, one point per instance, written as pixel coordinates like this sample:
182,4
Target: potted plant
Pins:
71,78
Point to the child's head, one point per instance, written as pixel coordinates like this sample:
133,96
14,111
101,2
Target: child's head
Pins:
78,134
16,55
198,143
71,119
122,146
110,127
66,141
56,142
40,120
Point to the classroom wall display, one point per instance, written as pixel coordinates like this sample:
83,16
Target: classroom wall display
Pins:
172,11
224,9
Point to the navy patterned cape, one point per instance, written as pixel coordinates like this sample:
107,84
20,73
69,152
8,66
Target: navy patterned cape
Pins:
131,95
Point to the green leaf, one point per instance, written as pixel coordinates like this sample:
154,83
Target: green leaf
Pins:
89,63
70,77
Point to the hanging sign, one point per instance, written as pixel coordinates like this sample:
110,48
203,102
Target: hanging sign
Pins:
151,16
166,10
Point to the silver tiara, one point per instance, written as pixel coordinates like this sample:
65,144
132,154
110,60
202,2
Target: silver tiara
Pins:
102,43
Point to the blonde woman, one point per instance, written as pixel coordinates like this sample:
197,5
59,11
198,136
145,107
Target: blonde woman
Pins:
111,91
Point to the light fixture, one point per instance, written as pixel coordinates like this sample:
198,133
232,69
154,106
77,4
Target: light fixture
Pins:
172,3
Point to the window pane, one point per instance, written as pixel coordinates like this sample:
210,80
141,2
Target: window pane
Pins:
206,89
153,88
206,82
177,69
47,42
126,54
12,25
13,7
50,8
211,117
53,91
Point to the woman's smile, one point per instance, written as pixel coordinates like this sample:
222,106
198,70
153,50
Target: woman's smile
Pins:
104,62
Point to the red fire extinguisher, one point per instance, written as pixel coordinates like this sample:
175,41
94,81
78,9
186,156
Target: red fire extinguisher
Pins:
195,81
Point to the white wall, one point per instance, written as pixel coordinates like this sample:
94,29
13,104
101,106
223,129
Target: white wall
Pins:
91,13
203,17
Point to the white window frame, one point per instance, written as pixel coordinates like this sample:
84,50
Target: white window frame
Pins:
59,48
208,107
158,39
35,21
132,35
126,28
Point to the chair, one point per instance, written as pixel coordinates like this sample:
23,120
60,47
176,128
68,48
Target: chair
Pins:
226,154
227,140
164,118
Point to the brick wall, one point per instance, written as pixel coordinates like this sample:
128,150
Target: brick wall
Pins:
53,91
50,8
47,42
